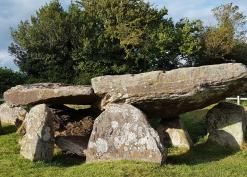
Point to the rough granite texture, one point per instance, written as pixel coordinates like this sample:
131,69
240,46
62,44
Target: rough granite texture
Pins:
52,93
11,115
226,124
168,94
38,142
122,132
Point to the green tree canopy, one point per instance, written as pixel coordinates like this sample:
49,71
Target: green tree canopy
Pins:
101,37
225,42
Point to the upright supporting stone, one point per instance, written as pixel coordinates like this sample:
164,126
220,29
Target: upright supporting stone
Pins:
38,142
11,115
226,123
122,132
173,133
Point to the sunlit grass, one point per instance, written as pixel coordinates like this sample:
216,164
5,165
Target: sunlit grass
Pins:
202,160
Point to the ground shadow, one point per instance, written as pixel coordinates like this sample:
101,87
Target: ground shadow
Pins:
67,160
7,129
201,153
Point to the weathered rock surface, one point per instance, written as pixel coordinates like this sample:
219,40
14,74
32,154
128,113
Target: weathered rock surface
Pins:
226,124
72,144
11,115
173,133
168,94
49,93
38,142
122,132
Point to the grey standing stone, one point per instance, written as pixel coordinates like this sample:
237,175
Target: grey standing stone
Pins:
38,142
226,124
11,115
173,133
122,132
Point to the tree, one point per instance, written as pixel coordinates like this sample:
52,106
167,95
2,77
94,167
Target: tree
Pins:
42,46
130,23
226,41
189,37
101,37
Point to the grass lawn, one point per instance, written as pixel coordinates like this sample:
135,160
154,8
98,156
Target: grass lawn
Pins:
203,160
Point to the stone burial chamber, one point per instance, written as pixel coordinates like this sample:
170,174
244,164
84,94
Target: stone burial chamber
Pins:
71,128
116,124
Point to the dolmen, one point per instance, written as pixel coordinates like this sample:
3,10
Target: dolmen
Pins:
116,123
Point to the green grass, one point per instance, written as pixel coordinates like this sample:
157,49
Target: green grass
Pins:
202,160
195,124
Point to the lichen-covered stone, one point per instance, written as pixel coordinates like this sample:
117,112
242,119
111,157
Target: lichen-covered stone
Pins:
171,93
172,133
49,93
38,142
226,124
122,132
11,115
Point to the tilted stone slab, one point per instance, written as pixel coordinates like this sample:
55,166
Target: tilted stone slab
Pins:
11,115
72,144
49,93
168,94
226,124
38,142
122,132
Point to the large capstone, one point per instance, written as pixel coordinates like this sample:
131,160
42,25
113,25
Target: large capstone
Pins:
11,115
122,132
226,124
173,133
38,142
171,93
49,93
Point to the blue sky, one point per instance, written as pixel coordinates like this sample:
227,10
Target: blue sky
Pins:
12,11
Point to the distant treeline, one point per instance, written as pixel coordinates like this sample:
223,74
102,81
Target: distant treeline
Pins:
9,78
93,38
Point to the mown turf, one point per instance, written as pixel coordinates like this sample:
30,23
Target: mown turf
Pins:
202,161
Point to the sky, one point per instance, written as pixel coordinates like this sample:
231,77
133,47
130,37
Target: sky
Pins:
13,11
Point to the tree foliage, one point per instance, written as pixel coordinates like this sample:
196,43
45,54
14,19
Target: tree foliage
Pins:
98,37
226,42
